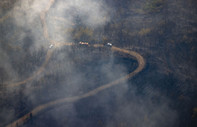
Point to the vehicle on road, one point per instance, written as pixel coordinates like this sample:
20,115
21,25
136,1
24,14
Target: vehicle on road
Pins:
109,44
83,43
51,46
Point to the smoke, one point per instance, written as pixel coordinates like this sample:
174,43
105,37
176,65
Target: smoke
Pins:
9,72
25,42
73,71
91,12
60,16
144,111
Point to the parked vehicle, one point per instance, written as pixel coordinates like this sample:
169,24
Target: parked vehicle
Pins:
51,46
109,44
83,43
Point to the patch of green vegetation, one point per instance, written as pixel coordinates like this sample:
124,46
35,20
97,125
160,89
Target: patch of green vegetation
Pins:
144,31
153,6
82,34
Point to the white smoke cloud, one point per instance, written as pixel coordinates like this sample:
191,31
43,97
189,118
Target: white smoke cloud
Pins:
5,63
26,13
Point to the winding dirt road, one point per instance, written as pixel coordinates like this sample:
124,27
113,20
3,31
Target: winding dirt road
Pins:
40,70
44,107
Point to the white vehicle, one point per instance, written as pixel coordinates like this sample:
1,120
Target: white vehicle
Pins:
51,46
109,44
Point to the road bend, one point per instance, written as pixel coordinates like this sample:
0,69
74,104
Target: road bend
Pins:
38,110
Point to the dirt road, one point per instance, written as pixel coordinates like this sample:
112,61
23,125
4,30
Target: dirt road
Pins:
44,107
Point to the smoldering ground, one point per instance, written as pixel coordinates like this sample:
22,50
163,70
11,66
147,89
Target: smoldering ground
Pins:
73,71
